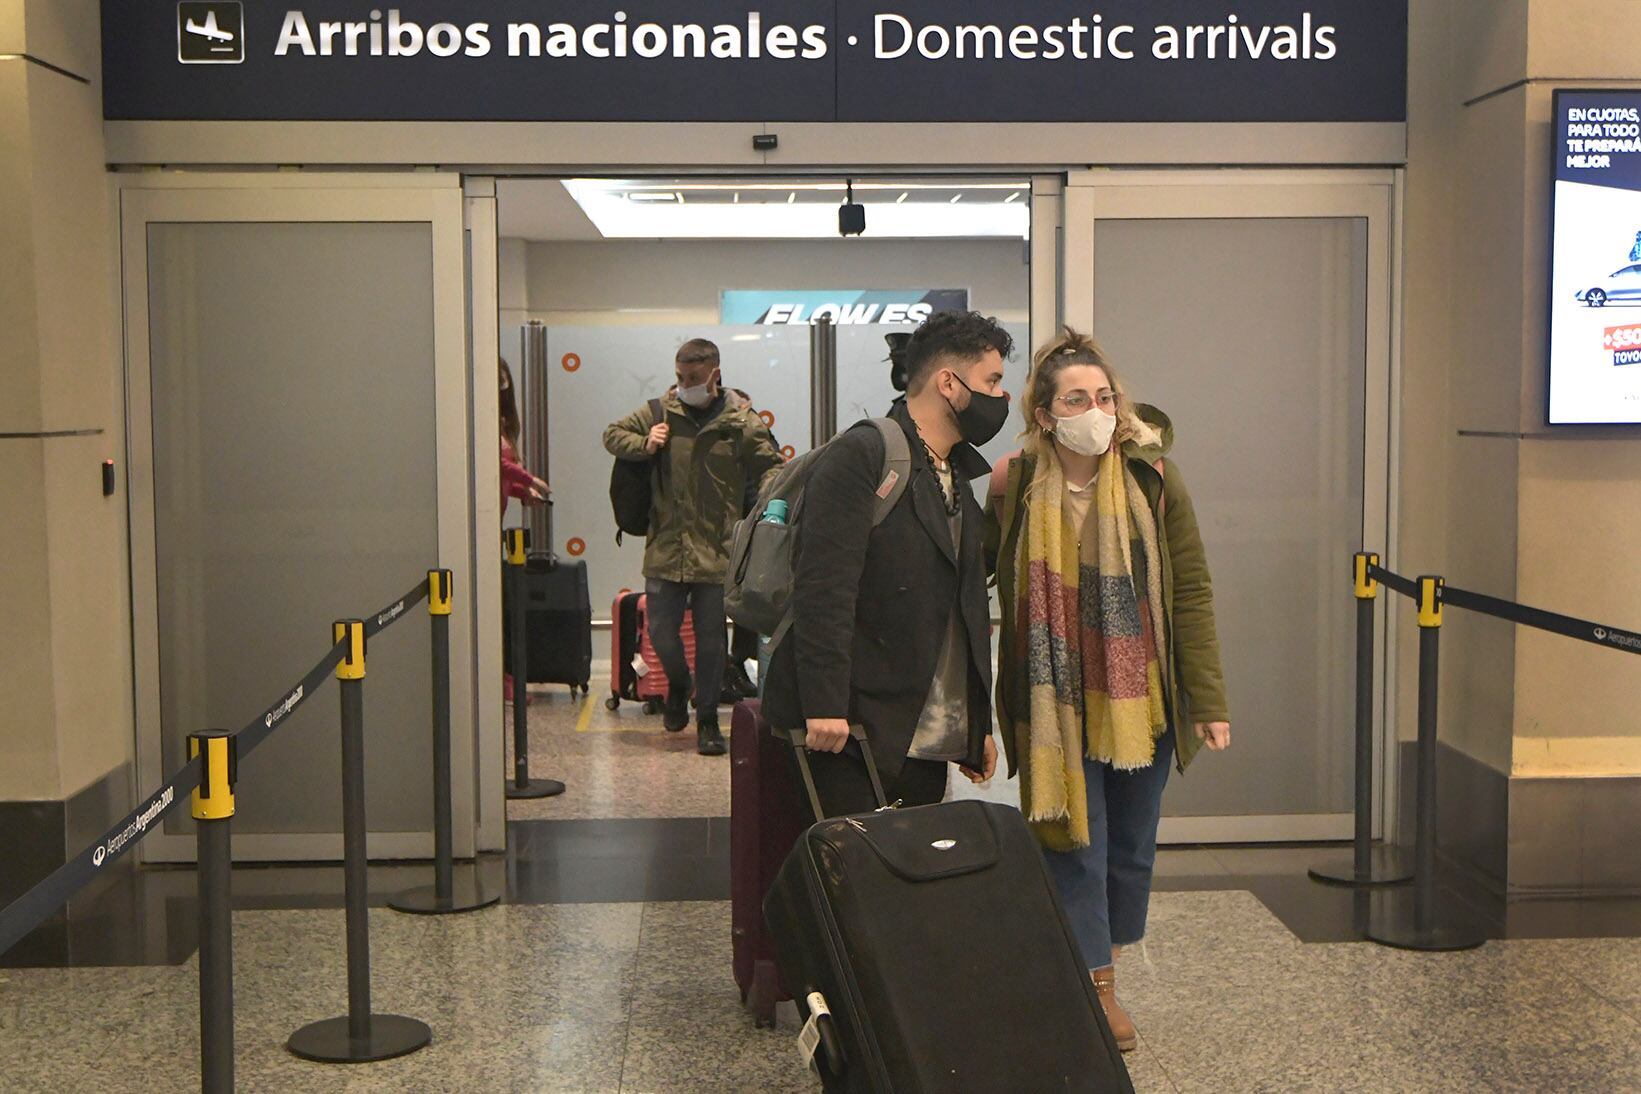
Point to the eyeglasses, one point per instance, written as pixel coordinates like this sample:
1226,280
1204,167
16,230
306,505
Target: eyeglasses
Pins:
1080,401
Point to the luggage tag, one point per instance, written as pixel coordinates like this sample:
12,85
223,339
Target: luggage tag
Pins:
809,1038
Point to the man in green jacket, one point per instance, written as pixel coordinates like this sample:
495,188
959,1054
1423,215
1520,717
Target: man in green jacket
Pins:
708,447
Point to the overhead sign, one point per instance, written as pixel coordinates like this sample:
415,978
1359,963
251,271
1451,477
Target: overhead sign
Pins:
1595,274
757,60
845,307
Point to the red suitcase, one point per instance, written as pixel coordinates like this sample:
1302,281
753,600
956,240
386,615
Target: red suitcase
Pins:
629,644
766,818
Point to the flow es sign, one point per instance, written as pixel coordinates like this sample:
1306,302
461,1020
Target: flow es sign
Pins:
210,32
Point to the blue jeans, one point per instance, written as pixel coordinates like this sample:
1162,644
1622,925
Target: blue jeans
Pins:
1106,886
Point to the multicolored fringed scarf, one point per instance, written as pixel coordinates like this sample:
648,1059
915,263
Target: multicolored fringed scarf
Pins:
1096,686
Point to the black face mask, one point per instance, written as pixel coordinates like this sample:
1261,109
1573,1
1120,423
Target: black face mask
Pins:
981,420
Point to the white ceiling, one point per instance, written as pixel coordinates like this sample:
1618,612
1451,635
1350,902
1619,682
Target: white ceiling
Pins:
546,209
540,209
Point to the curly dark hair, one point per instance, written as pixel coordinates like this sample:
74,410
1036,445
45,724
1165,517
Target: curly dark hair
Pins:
964,336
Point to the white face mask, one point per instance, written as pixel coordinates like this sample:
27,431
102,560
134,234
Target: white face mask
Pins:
696,397
1089,433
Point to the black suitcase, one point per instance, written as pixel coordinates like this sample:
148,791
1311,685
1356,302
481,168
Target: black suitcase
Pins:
930,950
558,623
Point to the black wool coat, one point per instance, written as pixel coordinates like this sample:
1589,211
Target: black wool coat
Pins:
871,605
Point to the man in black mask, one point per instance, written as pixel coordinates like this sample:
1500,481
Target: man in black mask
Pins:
890,624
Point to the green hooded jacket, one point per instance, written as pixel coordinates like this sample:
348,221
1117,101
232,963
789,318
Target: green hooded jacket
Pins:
700,485
1193,678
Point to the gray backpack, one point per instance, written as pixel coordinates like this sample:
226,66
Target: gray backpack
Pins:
758,590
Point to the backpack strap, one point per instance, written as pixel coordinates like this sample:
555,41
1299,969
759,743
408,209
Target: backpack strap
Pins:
897,468
897,473
657,413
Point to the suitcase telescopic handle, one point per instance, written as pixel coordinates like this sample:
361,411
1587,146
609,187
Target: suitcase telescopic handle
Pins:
800,736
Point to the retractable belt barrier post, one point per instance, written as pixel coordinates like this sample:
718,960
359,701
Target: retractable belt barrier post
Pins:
212,805
518,607
208,779
1370,865
359,1036
442,898
1410,921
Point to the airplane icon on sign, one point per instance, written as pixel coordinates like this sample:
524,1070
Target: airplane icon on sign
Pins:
212,31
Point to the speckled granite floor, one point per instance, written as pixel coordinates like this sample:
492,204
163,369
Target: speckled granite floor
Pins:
637,997
616,764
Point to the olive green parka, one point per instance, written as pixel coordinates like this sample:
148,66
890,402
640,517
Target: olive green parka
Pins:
1193,681
700,482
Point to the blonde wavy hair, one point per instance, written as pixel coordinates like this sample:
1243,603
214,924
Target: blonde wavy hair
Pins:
1072,348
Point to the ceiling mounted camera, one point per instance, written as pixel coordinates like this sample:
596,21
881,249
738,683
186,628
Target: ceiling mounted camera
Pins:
851,217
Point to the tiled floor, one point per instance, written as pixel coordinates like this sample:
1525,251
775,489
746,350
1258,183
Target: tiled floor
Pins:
637,997
616,763
607,966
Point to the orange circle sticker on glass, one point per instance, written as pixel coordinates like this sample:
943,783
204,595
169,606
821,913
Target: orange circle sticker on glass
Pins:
571,362
577,547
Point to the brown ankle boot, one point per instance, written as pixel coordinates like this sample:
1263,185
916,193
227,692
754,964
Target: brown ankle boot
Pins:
1122,1026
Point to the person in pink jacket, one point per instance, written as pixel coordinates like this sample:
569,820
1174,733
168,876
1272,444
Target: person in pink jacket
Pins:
516,480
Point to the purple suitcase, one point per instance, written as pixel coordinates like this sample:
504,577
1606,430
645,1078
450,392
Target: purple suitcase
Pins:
766,817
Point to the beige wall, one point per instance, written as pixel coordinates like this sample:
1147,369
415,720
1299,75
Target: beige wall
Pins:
636,281
1490,496
65,651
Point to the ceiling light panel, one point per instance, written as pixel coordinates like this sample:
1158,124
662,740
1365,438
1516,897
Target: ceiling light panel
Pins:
787,210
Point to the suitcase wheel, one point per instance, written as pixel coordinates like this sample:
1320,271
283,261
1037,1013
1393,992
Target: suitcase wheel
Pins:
613,703
651,706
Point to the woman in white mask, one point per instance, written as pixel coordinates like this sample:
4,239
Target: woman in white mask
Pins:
1108,664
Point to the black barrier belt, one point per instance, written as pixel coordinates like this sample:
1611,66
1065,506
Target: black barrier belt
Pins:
255,732
34,907
1406,586
395,611
1583,630
37,905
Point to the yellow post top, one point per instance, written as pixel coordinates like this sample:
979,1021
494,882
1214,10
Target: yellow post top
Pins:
353,631
438,592
513,538
213,798
1367,588
1430,601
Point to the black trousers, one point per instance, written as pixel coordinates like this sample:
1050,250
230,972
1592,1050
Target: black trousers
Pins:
844,787
743,644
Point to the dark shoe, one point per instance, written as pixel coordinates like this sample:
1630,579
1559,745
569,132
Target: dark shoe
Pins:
737,681
675,713
708,741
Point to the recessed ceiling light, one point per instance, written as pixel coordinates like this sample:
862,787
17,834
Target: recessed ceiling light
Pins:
690,210
1012,197
955,199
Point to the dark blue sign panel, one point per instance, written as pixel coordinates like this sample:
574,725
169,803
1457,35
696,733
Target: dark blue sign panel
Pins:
1595,260
757,60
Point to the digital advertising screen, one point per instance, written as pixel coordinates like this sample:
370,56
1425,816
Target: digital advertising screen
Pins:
1595,272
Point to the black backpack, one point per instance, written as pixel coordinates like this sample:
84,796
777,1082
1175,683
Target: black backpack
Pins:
632,484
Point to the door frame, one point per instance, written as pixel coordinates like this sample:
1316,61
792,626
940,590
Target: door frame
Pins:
484,343
262,197
1372,195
